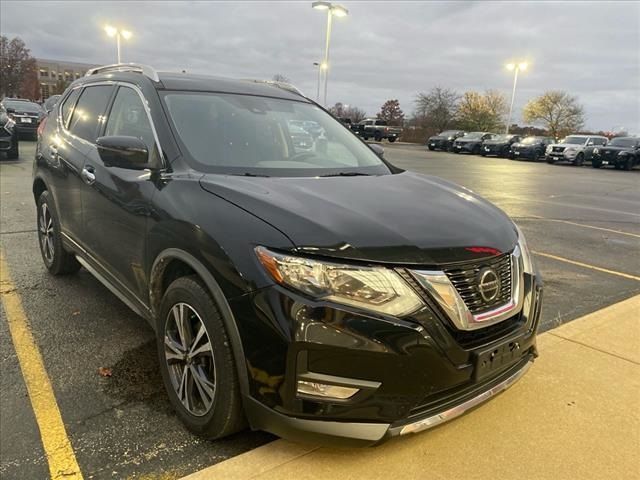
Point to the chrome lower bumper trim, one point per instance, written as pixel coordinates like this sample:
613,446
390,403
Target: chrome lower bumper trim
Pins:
458,410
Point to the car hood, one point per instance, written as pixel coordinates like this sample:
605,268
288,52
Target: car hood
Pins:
495,142
439,137
405,218
566,145
526,145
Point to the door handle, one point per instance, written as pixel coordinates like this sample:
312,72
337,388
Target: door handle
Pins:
88,174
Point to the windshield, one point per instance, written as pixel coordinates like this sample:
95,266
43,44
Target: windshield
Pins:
473,135
20,106
574,140
250,135
623,142
448,133
502,137
530,140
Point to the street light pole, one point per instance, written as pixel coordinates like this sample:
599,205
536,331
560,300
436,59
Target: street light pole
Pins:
116,32
516,67
320,66
338,11
118,44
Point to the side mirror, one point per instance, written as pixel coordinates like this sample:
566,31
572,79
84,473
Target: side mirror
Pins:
377,149
590,144
123,152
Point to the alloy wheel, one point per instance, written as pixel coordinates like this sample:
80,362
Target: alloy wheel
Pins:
45,232
189,357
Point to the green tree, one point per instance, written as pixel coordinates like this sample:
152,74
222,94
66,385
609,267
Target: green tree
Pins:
437,108
16,64
559,112
391,112
482,111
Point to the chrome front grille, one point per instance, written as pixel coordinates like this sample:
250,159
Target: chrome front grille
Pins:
465,278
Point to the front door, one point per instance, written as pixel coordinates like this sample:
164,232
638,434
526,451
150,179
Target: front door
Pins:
116,205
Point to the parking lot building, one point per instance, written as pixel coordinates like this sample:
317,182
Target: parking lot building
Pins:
55,75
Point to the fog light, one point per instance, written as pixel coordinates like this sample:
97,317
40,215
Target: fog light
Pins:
326,391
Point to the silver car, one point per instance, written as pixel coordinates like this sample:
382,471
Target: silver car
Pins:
574,148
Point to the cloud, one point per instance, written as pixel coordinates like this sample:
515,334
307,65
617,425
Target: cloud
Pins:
381,50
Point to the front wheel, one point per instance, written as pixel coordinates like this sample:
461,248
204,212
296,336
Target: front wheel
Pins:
57,260
579,161
550,161
596,163
431,148
196,361
392,139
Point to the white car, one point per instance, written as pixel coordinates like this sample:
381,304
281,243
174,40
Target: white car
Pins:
574,148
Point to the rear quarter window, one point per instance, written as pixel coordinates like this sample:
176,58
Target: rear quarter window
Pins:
67,107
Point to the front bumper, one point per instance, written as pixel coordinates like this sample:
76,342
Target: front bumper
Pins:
440,144
427,371
465,147
6,139
562,156
497,150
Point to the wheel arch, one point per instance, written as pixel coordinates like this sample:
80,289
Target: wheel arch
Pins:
173,263
38,186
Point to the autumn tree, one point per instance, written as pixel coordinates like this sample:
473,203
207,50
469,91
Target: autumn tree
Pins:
437,108
278,77
391,112
560,113
482,111
16,64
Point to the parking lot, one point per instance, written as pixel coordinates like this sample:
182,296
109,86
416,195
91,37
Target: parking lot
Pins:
583,225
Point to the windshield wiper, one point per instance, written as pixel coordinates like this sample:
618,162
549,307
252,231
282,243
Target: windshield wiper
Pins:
248,174
346,174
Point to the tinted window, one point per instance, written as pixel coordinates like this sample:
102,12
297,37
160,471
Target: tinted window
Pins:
599,141
129,118
89,111
381,122
67,106
23,106
623,142
226,133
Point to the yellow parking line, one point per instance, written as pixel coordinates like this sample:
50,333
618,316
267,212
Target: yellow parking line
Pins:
586,226
56,443
586,265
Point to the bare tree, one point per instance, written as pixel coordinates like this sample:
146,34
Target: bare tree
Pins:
482,111
560,113
278,77
355,114
391,112
437,108
16,64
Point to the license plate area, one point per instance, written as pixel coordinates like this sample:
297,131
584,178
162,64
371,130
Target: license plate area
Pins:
496,358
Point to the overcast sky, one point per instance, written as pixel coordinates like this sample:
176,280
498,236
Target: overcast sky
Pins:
386,49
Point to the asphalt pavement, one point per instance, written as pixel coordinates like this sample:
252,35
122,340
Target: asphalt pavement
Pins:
583,224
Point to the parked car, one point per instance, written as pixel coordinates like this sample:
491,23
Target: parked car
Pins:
377,129
531,147
499,145
444,140
298,292
345,121
50,102
471,142
621,152
575,149
301,139
26,114
8,135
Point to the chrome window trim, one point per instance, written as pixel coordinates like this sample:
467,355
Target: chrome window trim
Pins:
115,83
455,307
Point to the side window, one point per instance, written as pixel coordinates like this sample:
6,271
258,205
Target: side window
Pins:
89,112
600,141
67,107
129,118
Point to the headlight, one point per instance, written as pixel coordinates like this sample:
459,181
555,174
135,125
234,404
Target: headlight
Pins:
527,259
549,148
570,150
449,138
372,288
596,151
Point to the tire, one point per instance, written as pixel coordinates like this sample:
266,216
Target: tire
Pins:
476,150
431,148
579,161
596,163
628,164
215,409
392,139
365,138
57,260
537,154
13,153
482,154
550,161
377,137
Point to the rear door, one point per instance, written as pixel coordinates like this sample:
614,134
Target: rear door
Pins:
116,203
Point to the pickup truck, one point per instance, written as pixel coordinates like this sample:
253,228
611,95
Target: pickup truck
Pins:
376,129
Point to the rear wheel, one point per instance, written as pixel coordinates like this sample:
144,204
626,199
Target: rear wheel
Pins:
57,260
579,161
13,152
377,136
196,361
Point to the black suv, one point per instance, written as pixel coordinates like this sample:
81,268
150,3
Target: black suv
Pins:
8,135
444,140
499,145
318,293
26,114
472,142
621,152
531,147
